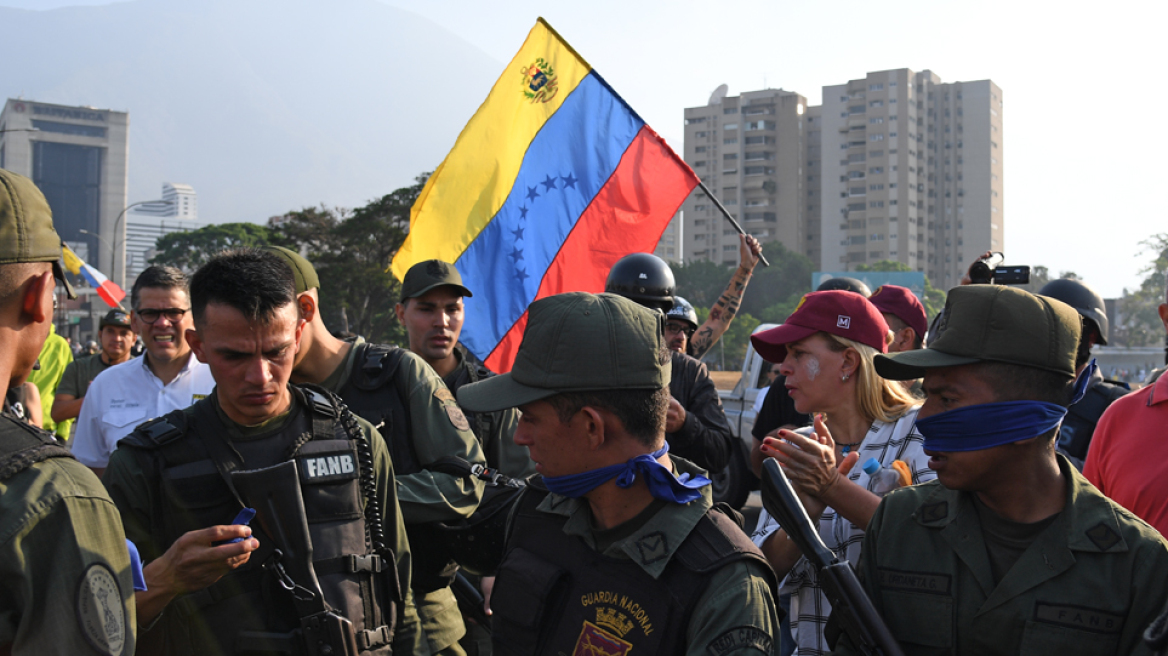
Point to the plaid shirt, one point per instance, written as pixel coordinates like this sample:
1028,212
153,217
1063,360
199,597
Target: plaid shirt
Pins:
809,607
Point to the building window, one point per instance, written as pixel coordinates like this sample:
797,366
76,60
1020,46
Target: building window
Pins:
696,119
729,142
700,149
873,170
730,110
875,87
730,126
876,137
699,135
729,156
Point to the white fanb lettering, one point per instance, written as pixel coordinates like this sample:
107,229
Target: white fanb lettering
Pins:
321,467
346,464
311,465
334,465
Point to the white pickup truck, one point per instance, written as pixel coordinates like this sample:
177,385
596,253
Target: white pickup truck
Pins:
733,484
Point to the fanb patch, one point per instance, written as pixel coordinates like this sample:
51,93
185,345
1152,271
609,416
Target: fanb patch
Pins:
738,638
100,612
595,641
327,467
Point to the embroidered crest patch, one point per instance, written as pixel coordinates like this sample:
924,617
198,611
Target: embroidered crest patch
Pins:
100,612
595,641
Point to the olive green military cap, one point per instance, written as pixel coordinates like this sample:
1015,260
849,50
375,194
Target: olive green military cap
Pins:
26,226
306,277
578,342
998,324
426,275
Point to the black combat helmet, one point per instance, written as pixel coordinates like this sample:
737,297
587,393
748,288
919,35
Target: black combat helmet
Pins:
683,311
1085,301
644,278
846,284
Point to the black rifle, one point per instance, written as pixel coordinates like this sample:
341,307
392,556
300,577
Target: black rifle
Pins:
848,600
274,492
470,601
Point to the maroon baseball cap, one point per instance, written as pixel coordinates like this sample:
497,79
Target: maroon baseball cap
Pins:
901,302
846,314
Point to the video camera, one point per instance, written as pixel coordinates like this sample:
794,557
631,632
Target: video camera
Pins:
980,272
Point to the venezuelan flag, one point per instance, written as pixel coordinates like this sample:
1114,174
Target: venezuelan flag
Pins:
107,289
553,180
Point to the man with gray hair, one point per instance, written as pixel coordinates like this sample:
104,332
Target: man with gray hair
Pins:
166,377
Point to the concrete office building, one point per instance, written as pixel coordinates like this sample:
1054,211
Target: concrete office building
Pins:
749,150
669,246
910,170
892,166
147,223
78,157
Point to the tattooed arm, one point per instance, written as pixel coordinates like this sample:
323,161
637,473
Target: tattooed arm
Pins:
724,310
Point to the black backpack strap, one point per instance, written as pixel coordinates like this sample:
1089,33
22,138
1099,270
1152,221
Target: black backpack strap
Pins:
375,365
22,445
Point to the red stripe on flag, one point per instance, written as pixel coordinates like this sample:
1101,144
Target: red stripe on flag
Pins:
628,215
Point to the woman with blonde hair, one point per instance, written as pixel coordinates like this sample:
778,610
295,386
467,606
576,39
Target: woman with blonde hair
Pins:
826,349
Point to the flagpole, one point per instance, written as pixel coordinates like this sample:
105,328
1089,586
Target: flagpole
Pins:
726,213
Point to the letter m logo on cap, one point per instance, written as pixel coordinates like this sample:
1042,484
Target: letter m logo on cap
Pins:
843,321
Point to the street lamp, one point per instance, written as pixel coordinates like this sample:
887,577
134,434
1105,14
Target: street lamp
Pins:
117,223
100,238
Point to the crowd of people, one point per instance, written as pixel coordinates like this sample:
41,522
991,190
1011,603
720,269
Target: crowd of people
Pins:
253,484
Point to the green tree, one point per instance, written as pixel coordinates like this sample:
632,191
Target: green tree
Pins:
350,251
728,353
1140,323
190,250
771,289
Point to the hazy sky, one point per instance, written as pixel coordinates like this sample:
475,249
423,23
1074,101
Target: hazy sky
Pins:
1078,81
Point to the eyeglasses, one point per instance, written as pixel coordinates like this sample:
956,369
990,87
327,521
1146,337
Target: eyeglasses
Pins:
674,328
151,315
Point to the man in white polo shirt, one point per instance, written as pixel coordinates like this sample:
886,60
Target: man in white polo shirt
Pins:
166,377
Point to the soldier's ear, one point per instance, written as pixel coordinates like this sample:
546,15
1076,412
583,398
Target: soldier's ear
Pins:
594,425
196,344
35,302
307,306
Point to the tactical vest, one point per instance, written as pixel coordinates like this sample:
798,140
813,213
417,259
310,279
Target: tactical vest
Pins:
1079,426
482,424
370,392
556,595
248,611
22,445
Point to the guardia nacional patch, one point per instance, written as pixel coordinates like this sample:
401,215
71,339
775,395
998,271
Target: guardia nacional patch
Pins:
100,613
453,412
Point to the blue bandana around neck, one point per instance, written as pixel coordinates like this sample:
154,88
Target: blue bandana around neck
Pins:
663,484
977,427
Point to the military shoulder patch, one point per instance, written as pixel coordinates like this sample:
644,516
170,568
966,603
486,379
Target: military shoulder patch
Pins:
739,638
934,512
456,417
100,612
443,394
1102,536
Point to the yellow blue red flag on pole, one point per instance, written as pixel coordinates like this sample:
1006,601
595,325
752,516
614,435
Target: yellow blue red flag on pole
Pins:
552,180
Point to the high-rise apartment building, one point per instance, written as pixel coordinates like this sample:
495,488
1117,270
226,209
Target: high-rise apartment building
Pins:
893,166
749,151
78,157
147,223
910,170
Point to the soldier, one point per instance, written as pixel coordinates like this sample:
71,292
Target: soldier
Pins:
66,571
431,311
117,336
395,389
215,588
618,549
1010,550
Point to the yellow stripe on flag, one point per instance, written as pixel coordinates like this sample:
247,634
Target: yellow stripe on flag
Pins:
472,183
72,262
